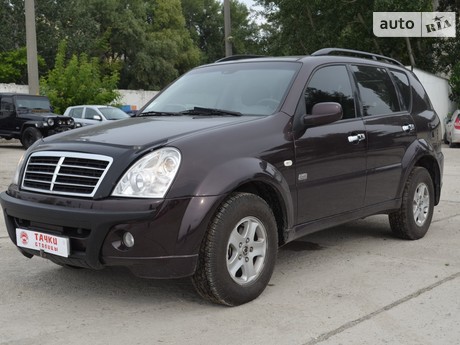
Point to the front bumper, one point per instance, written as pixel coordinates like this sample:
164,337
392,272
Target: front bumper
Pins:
167,232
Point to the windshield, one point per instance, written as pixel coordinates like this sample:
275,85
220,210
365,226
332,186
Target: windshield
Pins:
113,113
40,104
250,88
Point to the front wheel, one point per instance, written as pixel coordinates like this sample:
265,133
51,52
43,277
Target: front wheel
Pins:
413,219
238,253
29,136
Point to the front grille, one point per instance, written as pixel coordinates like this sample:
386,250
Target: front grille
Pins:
65,173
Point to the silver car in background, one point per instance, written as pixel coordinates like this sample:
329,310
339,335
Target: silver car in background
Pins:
94,114
453,129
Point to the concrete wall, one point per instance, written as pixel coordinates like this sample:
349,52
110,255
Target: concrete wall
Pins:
438,90
135,98
14,88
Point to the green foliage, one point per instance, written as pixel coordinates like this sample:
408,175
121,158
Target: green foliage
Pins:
447,51
167,48
78,81
12,28
304,26
205,22
13,66
454,82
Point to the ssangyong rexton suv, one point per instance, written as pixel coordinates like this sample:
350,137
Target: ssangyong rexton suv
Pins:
231,161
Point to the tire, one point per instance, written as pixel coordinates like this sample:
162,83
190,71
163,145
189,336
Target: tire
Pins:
413,219
29,136
238,253
452,145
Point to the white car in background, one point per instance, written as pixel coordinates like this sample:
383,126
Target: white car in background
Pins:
94,114
453,129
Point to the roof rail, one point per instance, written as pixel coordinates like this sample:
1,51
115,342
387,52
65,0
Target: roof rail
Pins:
357,53
238,57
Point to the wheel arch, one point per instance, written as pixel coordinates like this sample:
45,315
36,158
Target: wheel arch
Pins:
431,165
274,200
422,154
246,175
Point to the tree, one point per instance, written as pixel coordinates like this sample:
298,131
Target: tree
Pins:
12,28
304,26
78,81
447,50
205,22
12,66
454,82
203,19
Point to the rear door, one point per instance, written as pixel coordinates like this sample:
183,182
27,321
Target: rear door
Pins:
390,129
330,159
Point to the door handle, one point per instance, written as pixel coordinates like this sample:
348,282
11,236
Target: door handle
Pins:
408,128
354,139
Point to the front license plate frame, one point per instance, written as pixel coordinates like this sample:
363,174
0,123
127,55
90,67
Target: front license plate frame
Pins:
57,245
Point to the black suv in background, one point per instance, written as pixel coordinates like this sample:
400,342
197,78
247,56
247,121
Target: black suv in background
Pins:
29,118
228,163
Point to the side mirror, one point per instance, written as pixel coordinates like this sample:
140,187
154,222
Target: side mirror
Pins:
323,113
97,117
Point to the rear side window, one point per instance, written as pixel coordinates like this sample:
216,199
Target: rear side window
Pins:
331,84
402,83
377,91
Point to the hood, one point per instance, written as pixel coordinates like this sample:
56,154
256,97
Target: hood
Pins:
38,114
146,131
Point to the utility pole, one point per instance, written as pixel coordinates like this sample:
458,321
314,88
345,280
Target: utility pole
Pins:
31,42
227,28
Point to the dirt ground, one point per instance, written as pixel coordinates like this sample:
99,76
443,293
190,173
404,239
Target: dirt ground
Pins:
353,284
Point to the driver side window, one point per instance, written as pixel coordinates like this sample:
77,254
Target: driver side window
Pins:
331,84
90,113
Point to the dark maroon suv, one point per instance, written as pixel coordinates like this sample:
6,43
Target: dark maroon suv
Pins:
231,161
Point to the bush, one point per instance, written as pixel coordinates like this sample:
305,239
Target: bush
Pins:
78,81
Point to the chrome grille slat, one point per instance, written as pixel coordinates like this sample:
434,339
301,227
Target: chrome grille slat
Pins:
65,173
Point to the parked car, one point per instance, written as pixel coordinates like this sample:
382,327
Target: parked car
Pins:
29,118
94,114
453,129
229,162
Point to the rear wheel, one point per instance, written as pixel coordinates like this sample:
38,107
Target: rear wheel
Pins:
29,136
413,219
238,253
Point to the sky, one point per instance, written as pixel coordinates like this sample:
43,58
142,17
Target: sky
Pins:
248,3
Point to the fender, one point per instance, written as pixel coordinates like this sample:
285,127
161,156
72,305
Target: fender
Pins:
230,175
224,179
32,123
421,153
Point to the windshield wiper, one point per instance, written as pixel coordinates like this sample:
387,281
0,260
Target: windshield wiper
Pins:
210,111
159,113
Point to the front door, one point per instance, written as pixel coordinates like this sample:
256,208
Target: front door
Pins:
330,159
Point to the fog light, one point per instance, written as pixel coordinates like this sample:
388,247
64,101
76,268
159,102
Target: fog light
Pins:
128,239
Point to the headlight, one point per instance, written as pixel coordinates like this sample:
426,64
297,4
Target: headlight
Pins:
18,170
50,122
21,162
151,176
